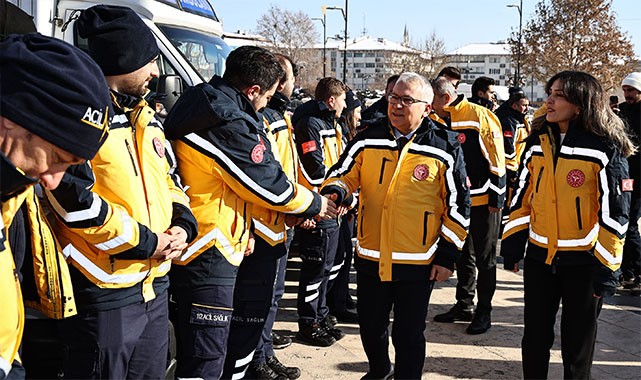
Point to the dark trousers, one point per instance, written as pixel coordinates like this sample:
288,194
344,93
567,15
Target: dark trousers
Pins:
265,347
317,252
479,253
409,300
338,294
204,317
130,342
252,300
545,287
631,265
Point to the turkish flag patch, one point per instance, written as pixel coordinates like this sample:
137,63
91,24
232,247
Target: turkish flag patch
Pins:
508,133
309,146
627,184
461,137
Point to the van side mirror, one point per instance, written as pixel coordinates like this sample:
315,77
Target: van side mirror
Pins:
172,87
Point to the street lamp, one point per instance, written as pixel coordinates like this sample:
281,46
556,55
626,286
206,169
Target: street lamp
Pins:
519,7
324,22
344,12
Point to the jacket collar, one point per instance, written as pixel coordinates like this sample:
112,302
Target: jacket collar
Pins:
14,180
278,102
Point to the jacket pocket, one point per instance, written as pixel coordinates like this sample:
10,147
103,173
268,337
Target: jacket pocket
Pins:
360,224
538,180
383,163
312,247
578,213
426,217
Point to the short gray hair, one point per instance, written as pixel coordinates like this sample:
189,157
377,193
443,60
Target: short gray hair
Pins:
442,86
424,88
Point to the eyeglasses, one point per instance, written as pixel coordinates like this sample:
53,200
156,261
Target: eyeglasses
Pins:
406,101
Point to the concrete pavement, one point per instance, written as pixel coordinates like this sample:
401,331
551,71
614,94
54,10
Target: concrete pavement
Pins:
453,354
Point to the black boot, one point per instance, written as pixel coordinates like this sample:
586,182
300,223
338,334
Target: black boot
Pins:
291,373
481,322
459,312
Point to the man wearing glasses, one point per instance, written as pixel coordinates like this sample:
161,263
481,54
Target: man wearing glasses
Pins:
413,219
481,137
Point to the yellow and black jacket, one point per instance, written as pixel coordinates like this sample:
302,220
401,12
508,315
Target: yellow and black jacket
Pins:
516,129
226,160
479,132
414,203
569,202
270,224
109,210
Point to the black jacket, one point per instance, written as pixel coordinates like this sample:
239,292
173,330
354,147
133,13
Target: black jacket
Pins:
375,112
631,113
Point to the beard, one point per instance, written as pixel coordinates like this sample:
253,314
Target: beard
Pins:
134,87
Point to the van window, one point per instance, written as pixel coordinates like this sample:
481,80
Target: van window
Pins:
206,53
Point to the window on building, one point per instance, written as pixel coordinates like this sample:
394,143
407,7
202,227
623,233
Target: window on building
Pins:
370,54
380,65
358,64
502,65
494,60
357,70
380,54
333,55
358,55
502,77
495,71
370,64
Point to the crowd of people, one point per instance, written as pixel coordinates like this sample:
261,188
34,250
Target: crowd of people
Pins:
114,222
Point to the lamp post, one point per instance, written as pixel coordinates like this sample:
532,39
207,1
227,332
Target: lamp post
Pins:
324,22
344,12
519,7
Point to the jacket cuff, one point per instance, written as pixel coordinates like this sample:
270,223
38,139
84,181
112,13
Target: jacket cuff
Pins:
446,255
183,217
145,248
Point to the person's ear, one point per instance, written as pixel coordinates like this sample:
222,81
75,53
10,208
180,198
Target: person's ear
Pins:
252,92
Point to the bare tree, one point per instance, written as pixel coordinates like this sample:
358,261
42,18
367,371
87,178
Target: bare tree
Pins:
293,34
574,35
434,47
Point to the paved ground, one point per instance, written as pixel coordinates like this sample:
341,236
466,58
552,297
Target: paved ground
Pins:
452,354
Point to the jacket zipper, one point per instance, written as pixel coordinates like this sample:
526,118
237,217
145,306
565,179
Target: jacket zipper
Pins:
360,225
426,215
538,181
131,156
380,178
578,212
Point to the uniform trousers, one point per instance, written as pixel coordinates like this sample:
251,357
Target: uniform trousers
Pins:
130,342
204,316
476,268
318,254
339,293
265,347
409,300
545,287
631,264
252,300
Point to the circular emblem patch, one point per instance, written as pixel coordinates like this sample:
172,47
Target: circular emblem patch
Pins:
258,153
159,147
575,178
461,137
421,172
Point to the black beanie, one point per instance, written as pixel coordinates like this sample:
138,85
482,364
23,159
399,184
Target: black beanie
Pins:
351,101
56,91
119,41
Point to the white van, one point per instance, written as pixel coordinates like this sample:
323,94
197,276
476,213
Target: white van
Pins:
188,34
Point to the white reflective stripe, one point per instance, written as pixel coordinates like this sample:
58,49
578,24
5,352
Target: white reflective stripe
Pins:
238,376
480,190
510,156
621,229
524,173
274,198
487,155
5,366
311,297
466,123
273,236
189,378
123,238
313,182
214,234
245,360
607,255
349,158
406,256
306,203
333,273
452,235
498,190
313,286
98,273
449,177
586,153
165,266
327,133
277,124
569,243
74,216
120,118
1,232
516,222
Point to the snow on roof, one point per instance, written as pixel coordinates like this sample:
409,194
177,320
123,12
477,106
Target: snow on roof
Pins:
483,49
367,43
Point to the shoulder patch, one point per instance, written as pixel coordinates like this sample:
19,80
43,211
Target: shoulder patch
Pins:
508,134
627,184
159,147
309,146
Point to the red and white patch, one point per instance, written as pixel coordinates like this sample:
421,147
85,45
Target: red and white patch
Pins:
421,172
575,178
309,146
496,134
159,147
508,134
258,153
461,137
627,184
